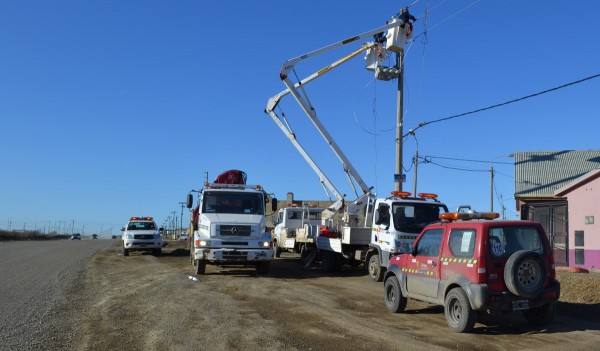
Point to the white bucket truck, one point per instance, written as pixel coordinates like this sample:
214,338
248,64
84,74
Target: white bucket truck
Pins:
228,224
360,236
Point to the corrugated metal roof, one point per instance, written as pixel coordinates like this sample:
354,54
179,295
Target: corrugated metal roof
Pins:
539,174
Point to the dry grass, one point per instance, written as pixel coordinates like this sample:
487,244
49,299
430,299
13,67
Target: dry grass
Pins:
29,235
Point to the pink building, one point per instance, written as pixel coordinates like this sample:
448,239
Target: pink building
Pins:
583,199
561,191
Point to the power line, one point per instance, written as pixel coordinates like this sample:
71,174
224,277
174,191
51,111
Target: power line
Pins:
422,124
467,160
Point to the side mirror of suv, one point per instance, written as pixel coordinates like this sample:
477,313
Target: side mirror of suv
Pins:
413,252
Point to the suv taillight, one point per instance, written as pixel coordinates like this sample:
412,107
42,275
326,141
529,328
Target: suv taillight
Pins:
481,270
552,266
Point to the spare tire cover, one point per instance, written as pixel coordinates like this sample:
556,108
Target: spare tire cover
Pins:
525,273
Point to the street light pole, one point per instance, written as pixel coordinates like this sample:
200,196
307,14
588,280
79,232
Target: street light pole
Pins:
412,132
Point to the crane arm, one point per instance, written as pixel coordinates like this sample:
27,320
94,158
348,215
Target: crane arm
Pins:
291,63
302,99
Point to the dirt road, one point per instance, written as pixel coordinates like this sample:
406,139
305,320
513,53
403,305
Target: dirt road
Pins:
142,302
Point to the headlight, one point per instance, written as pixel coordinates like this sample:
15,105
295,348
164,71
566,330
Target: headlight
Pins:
129,236
202,243
266,244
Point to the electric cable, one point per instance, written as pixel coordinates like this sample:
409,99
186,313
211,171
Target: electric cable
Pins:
422,124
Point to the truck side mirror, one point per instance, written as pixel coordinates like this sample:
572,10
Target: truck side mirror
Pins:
123,229
274,205
161,229
190,200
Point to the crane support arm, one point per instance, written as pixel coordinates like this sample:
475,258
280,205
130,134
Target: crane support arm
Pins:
291,63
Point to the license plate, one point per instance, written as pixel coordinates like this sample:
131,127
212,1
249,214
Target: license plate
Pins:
520,305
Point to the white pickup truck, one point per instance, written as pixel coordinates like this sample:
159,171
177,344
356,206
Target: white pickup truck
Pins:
141,234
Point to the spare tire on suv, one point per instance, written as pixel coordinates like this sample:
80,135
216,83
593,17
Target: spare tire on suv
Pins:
525,273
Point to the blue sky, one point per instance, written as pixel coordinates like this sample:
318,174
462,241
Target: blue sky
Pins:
110,109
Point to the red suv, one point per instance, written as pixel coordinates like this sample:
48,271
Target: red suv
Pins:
468,263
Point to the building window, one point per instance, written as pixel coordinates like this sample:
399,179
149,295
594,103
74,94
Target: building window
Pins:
579,257
579,238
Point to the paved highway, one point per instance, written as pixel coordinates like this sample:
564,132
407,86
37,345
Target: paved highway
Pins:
34,276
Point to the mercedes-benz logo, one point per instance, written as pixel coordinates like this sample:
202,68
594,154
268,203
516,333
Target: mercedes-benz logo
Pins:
235,230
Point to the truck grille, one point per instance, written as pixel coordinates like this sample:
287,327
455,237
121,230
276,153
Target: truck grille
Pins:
234,255
235,243
144,236
234,230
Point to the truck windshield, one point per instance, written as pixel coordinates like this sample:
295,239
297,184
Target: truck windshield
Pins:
234,203
141,226
412,218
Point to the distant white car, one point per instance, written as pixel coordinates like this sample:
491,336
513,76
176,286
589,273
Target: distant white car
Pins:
183,237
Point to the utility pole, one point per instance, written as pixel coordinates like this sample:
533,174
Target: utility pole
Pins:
181,203
491,187
405,30
399,108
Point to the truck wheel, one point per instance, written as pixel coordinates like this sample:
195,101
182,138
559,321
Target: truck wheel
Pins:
276,249
328,261
199,266
304,254
262,268
459,314
394,300
540,316
375,269
156,252
525,273
125,252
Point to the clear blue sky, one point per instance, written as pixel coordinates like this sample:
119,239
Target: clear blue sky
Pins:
111,109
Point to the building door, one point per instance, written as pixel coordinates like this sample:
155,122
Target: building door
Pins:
553,217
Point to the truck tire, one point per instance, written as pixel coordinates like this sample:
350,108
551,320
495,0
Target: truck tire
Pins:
156,252
199,266
457,309
262,268
125,251
332,261
276,249
374,267
525,273
392,295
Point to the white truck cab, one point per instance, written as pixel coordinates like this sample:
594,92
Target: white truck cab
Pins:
229,225
296,227
397,222
141,234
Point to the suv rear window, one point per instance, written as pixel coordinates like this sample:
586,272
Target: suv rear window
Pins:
504,241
